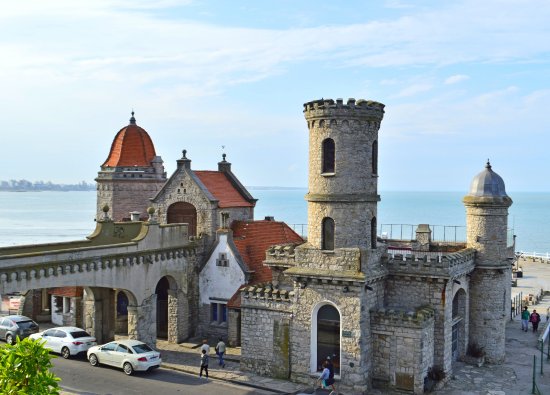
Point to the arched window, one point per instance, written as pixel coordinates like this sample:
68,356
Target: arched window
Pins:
375,157
328,156
373,233
328,234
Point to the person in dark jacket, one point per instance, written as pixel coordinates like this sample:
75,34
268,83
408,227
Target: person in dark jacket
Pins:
535,319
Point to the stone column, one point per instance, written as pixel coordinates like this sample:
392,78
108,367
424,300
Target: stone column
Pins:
142,321
178,328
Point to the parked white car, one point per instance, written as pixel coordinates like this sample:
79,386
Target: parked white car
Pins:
130,355
66,340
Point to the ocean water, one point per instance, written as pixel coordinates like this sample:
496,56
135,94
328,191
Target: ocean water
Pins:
42,217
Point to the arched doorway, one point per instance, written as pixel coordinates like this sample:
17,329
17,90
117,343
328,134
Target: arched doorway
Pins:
328,336
121,326
458,344
183,212
162,307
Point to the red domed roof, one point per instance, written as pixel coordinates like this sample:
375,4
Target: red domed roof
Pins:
132,146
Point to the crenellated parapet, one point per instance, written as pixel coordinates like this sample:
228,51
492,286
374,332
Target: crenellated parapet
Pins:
401,317
448,266
282,256
265,293
336,111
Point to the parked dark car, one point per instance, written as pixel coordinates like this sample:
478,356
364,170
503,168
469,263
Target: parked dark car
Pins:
12,326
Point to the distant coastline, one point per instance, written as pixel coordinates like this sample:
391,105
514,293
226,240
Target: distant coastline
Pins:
41,186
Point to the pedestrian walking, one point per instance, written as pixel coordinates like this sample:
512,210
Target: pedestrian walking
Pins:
205,346
220,350
330,381
535,319
525,315
324,379
204,364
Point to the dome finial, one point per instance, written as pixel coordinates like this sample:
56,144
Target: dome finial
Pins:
488,165
184,152
132,120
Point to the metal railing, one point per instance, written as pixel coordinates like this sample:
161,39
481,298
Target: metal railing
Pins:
301,229
441,233
517,302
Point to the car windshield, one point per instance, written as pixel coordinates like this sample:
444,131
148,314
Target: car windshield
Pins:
26,324
142,348
78,334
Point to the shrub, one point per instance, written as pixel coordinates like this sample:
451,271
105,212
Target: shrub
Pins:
25,369
474,350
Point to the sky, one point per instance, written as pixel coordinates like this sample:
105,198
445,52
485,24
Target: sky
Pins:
462,81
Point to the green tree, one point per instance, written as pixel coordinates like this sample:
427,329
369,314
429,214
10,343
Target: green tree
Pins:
25,369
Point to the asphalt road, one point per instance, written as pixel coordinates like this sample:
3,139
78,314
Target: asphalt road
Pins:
80,377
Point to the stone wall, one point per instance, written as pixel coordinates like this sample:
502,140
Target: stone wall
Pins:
124,196
490,304
264,337
403,347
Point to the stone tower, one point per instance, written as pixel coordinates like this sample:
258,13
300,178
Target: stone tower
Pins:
487,232
343,173
131,175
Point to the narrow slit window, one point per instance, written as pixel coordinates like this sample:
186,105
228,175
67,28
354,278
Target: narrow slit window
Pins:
328,156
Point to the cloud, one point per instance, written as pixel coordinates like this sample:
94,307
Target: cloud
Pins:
454,79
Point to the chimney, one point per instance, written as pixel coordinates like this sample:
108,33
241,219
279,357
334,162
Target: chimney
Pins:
269,218
134,216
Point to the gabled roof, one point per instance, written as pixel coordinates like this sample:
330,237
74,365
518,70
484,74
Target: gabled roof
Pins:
253,238
131,146
219,185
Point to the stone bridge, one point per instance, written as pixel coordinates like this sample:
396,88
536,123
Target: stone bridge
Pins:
131,257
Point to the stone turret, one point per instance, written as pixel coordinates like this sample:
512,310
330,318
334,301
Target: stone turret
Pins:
131,174
487,232
343,172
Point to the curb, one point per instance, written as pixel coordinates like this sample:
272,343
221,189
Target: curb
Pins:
232,381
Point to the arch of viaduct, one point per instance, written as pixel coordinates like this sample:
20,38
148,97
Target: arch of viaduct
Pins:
128,257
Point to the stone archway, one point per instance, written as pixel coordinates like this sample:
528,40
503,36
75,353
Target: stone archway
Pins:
458,338
183,212
163,286
171,308
121,318
100,309
325,336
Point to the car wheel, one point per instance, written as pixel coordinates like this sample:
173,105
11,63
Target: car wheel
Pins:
93,360
65,353
9,339
128,369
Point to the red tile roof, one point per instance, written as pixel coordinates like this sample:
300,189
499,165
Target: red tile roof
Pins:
221,188
255,237
132,146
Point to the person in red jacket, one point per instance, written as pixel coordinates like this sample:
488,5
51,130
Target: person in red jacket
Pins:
535,319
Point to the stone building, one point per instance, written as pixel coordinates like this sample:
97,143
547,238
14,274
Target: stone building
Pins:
388,312
385,318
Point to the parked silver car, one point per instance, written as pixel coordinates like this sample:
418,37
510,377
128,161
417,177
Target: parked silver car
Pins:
13,326
66,340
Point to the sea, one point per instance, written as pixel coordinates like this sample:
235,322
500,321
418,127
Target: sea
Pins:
51,216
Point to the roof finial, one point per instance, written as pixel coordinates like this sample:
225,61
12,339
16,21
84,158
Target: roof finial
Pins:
488,165
184,152
223,153
132,120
